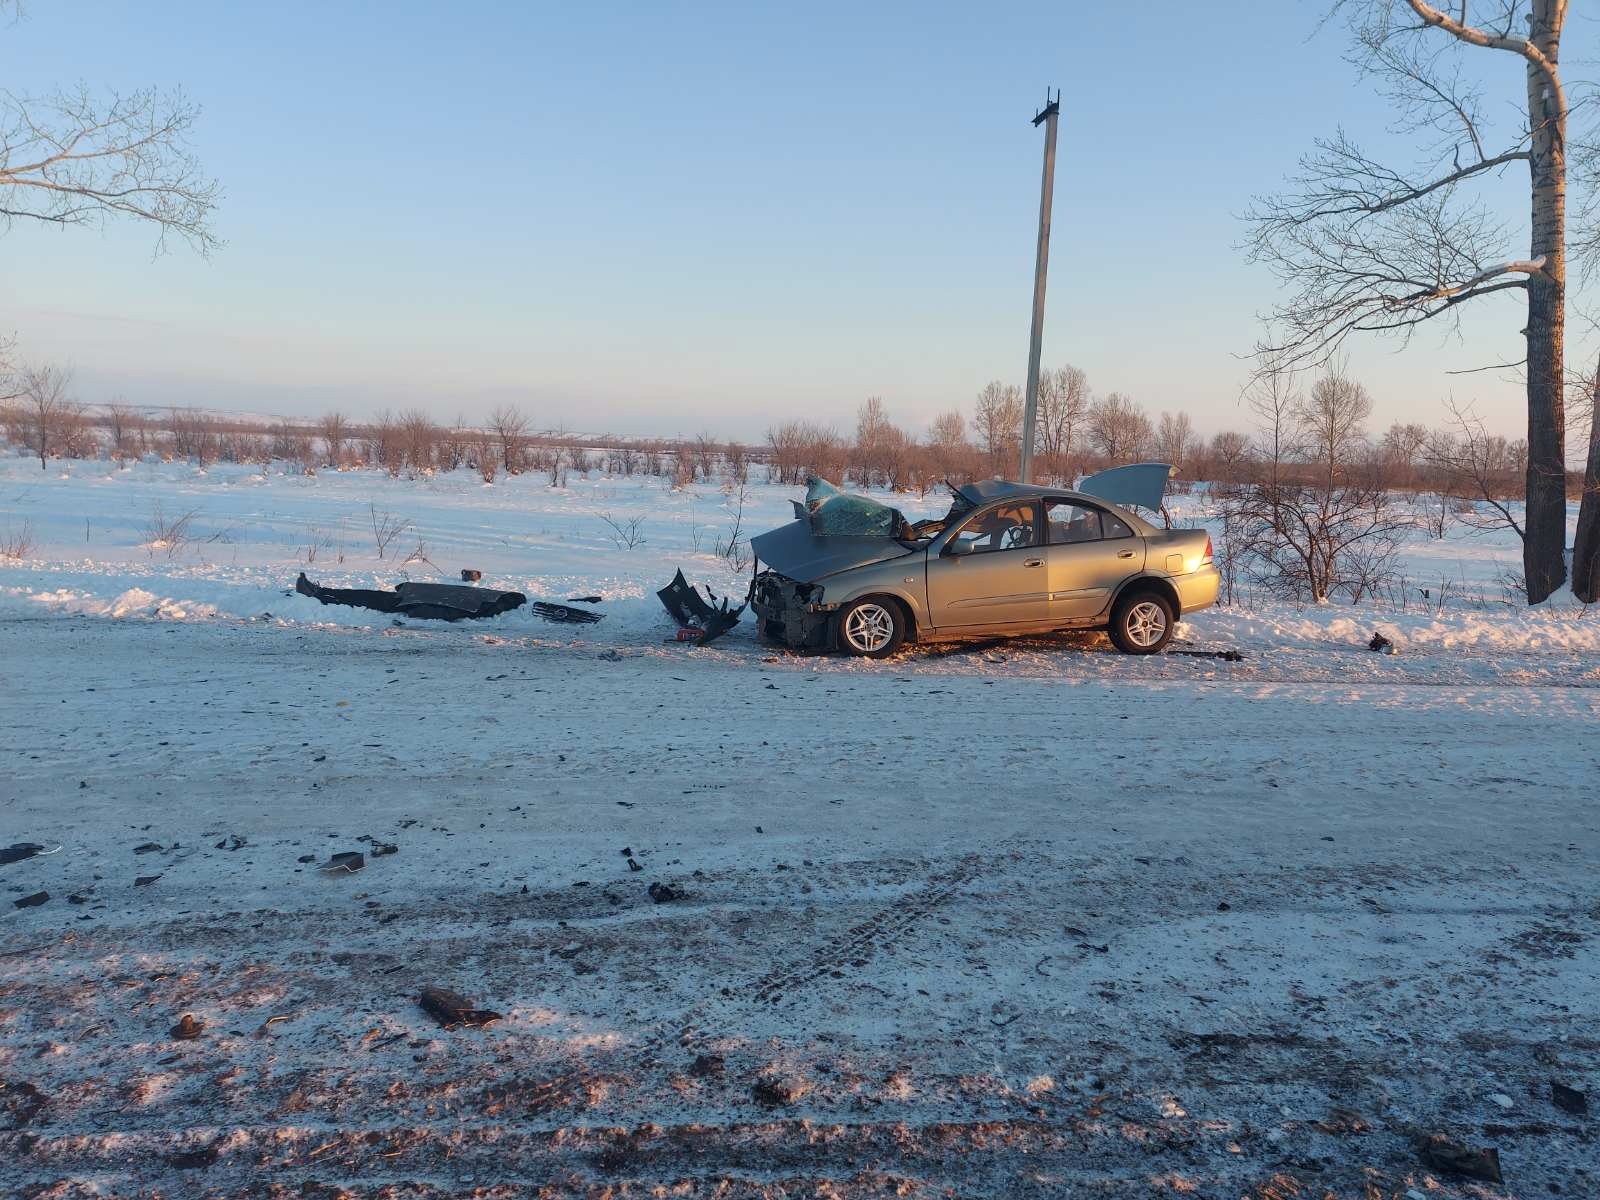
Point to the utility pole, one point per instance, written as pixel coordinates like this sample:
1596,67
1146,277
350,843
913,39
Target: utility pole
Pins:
1047,117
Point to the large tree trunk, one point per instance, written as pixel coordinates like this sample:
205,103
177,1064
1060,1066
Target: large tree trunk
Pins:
1586,546
1545,543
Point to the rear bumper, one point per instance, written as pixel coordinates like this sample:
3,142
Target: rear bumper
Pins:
1198,589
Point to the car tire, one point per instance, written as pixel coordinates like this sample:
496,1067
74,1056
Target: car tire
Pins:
1142,622
872,627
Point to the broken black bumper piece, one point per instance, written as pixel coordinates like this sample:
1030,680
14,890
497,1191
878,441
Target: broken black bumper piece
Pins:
429,601
691,610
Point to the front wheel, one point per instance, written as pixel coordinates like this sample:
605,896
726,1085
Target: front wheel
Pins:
871,628
1142,623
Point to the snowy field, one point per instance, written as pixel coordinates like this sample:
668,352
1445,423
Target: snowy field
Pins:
1029,919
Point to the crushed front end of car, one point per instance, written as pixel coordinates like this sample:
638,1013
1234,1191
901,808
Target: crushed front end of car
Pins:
791,612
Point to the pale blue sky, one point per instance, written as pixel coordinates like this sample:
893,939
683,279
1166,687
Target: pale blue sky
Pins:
656,218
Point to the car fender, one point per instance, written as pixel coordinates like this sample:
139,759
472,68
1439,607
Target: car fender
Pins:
905,580
1154,580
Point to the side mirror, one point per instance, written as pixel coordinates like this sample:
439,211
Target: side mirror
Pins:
954,548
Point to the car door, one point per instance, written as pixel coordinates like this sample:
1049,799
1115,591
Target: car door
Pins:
1088,553
991,571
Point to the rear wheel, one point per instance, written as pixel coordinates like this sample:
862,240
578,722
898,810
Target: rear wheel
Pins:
872,628
1142,623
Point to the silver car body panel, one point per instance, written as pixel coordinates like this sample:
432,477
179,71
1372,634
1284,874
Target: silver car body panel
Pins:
806,557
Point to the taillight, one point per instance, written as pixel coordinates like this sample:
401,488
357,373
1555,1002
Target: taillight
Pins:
1205,558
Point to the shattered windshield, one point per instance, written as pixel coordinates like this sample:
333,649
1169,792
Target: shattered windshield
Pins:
834,513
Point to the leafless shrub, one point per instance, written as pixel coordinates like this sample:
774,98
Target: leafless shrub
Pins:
1317,531
386,526
1480,467
626,532
167,534
17,541
733,546
334,429
420,555
1513,586
290,443
194,436
123,425
510,429
316,541
682,467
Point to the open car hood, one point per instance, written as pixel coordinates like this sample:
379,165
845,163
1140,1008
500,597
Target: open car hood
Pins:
1142,485
794,550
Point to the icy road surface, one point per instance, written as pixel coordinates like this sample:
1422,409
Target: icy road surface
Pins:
1034,921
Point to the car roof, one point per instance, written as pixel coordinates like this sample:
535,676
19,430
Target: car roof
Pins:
988,491
985,491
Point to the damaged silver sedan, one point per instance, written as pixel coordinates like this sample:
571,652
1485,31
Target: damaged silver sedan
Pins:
1008,558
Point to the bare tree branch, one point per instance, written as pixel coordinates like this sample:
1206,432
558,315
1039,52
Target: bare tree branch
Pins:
69,159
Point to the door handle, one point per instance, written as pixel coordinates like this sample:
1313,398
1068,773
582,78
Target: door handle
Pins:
1124,553
1033,562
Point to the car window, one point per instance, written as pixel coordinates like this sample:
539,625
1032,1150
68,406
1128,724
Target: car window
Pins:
1070,522
1114,527
1067,522
1007,527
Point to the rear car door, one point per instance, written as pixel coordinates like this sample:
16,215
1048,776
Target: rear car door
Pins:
991,572
1088,553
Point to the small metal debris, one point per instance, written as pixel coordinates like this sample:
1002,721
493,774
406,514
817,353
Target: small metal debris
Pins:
345,862
144,880
1453,1158
19,851
32,901
451,1009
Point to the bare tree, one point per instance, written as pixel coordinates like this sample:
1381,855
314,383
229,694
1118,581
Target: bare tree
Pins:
1586,543
194,435
122,422
998,421
1174,440
877,442
1064,401
1369,247
510,428
290,443
1332,419
1480,468
1228,451
949,456
1403,443
1118,427
385,446
46,411
335,432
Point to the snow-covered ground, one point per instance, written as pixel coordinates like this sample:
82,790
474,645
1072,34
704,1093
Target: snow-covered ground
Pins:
1028,919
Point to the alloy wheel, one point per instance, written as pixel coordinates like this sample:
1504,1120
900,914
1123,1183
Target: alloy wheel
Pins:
1146,624
869,627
